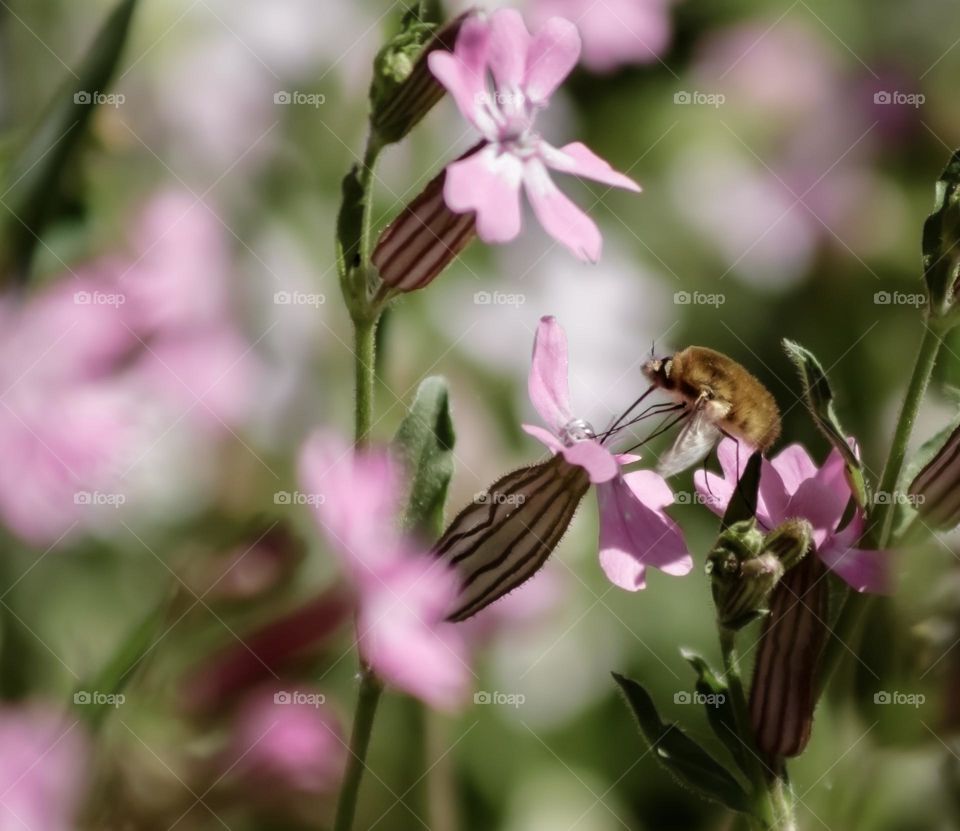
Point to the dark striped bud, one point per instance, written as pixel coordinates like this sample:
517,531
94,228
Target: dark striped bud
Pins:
404,89
783,693
424,239
935,491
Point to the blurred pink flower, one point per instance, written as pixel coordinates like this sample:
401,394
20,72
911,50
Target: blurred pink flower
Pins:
403,594
615,33
635,530
792,486
526,70
42,770
289,740
97,367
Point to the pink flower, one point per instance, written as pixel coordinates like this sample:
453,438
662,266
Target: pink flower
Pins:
635,530
615,33
402,594
525,70
42,771
791,486
291,740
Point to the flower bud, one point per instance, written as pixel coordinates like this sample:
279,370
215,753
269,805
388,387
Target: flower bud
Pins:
424,239
404,89
745,566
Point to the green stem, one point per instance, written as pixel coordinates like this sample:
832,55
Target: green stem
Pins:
368,697
773,813
365,339
855,607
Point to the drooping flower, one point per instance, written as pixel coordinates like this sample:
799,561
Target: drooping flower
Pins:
792,486
287,741
43,770
525,70
402,594
635,530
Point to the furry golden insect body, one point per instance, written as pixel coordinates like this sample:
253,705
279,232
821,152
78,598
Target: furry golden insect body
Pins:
720,398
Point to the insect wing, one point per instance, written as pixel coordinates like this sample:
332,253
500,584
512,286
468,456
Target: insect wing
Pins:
506,534
697,438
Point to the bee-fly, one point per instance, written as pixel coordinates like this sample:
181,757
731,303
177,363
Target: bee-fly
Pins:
720,398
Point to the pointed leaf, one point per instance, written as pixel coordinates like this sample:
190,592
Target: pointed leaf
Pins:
719,707
941,235
818,396
34,177
689,763
424,443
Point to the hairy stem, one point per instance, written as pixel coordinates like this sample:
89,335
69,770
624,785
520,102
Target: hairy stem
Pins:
368,696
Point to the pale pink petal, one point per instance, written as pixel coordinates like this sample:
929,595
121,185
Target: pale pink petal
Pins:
402,634
488,183
541,434
862,570
509,44
634,535
715,492
821,502
560,217
547,382
795,466
580,160
552,54
600,463
355,498
464,72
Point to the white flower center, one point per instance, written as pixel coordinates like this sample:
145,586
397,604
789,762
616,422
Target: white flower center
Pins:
575,431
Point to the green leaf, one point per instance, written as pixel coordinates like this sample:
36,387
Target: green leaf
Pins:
719,707
941,236
689,763
818,396
34,177
743,504
424,443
